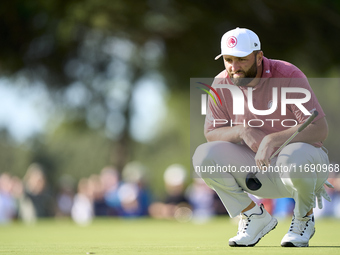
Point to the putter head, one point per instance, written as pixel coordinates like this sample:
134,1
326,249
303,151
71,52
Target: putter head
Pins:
252,182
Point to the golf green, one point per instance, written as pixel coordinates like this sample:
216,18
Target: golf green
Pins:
149,236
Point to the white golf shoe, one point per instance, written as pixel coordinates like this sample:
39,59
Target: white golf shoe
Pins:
299,233
252,228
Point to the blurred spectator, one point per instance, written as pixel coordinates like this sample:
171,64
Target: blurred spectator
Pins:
175,203
106,195
38,200
8,205
82,210
283,207
99,205
268,204
335,195
65,195
201,198
134,193
129,203
110,180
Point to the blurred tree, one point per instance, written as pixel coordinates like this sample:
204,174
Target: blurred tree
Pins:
74,149
63,42
91,48
14,159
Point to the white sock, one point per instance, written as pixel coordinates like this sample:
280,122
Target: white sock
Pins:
256,209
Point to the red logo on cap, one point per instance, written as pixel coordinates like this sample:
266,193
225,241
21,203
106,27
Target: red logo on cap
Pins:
231,42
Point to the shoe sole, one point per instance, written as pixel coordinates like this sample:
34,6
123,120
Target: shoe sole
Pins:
271,225
290,244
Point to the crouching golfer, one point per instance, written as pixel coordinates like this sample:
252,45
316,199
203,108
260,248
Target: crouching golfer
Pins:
250,136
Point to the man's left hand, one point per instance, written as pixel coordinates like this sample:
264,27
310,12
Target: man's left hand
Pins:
262,157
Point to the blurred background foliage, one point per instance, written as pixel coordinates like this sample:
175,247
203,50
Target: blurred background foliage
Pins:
112,76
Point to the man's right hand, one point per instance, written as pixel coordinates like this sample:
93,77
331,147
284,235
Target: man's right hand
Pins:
252,137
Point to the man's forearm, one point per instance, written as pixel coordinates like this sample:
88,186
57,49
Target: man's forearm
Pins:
228,134
313,133
253,137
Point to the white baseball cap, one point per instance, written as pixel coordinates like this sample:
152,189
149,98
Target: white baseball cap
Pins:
239,42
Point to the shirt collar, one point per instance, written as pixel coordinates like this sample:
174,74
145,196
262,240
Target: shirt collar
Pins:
266,72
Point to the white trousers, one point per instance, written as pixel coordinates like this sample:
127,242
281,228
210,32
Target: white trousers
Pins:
290,177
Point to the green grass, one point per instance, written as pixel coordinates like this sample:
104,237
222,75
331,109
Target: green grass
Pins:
148,236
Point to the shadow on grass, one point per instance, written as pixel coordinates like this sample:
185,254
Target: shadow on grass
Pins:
335,246
258,246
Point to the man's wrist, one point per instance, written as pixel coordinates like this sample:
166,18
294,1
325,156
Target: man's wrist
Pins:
240,131
268,139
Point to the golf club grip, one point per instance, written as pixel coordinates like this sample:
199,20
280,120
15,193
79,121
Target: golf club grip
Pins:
308,121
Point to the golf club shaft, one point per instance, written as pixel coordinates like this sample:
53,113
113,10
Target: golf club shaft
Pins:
252,181
302,127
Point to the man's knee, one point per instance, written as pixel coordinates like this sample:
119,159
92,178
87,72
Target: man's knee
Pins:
227,183
296,154
299,181
207,153
207,162
296,160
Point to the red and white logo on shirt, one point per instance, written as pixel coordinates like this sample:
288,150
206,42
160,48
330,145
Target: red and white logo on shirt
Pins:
231,41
